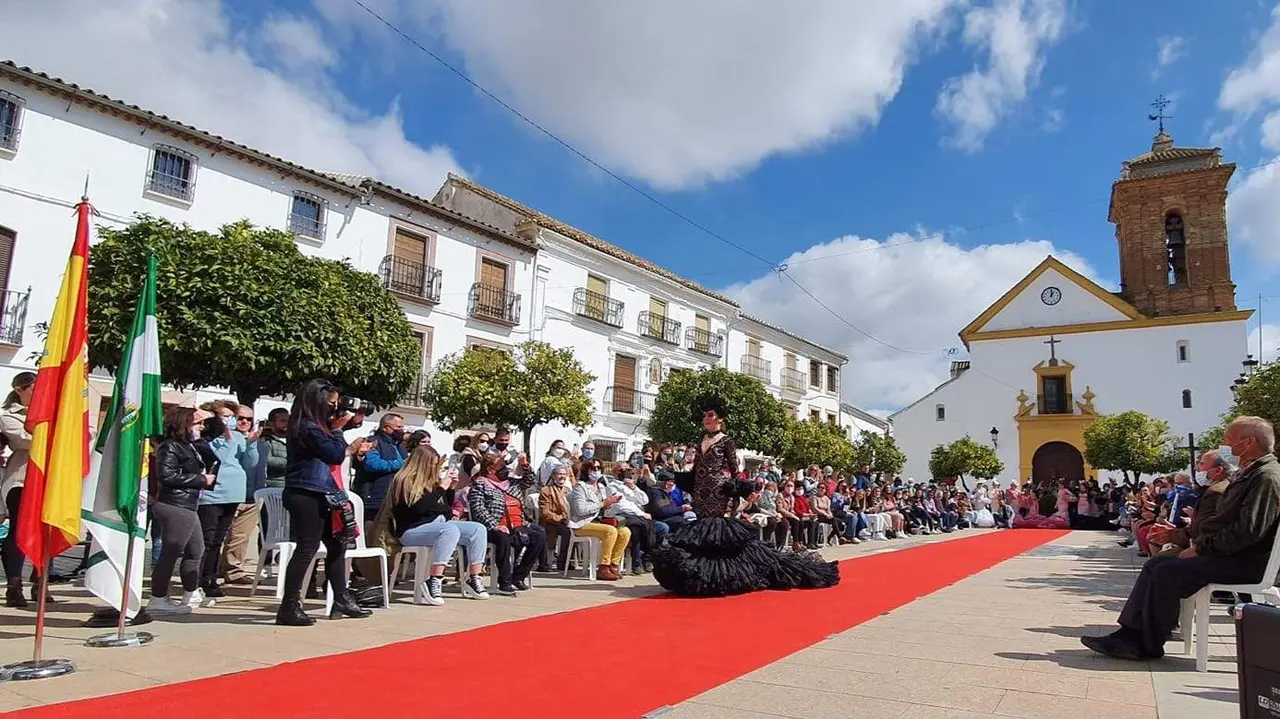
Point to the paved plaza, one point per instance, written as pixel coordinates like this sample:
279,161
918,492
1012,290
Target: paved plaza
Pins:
1004,642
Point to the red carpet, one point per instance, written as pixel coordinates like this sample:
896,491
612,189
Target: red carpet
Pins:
697,644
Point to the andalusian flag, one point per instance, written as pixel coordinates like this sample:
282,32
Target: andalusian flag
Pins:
115,498
58,418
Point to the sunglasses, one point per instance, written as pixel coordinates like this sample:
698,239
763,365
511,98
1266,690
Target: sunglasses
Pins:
244,419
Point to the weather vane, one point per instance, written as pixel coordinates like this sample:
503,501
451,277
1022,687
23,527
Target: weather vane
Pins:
1160,104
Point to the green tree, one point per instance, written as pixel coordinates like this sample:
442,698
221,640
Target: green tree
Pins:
815,442
1132,443
534,385
242,308
878,451
1257,397
756,420
964,458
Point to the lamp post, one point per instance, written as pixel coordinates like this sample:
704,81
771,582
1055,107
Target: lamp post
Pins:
995,438
1250,366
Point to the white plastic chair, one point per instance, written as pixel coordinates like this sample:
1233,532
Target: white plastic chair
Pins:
493,568
361,551
589,549
1195,609
421,564
275,537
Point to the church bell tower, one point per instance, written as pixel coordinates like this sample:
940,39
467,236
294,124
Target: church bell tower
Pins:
1170,211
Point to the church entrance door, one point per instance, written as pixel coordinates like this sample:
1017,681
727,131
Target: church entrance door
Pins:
1056,460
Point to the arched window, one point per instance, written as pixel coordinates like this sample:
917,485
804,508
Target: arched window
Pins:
655,371
1186,399
1175,242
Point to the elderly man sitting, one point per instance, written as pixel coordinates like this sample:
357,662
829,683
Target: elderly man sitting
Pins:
1231,547
1212,477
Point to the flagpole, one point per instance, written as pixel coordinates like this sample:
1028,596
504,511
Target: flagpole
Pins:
120,638
39,667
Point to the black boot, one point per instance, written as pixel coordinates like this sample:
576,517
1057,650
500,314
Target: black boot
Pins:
345,605
13,595
35,595
290,614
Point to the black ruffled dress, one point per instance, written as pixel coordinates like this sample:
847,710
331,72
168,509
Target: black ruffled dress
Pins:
716,555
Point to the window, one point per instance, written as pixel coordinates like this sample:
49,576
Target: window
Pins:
1175,242
1186,399
940,413
10,120
493,273
753,347
655,371
307,217
831,419
815,374
606,452
833,378
173,173
815,415
476,343
1053,396
423,337
1184,351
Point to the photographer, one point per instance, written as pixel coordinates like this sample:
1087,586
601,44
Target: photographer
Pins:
313,497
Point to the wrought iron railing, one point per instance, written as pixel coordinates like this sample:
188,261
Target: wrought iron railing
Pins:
172,173
1053,404
416,397
758,367
601,308
10,121
410,278
792,379
13,316
659,327
494,304
704,341
628,400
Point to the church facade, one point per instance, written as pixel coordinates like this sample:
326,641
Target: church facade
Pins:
1058,350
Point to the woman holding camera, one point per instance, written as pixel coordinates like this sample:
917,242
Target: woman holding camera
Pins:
316,450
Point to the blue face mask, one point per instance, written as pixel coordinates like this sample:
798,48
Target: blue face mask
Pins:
595,476
588,453
637,462
679,456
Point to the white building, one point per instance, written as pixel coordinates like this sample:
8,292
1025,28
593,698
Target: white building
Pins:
1057,350
459,282
631,323
855,421
493,281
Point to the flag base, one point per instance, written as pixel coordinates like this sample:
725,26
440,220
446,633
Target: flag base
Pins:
120,639
37,669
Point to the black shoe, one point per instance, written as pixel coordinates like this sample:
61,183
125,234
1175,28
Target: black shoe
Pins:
290,614
345,605
545,569
13,596
35,595
1115,647
521,585
213,590
507,590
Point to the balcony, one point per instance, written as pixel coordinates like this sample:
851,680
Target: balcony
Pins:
628,400
598,307
494,304
409,278
658,327
761,369
793,380
704,341
13,317
1054,404
416,397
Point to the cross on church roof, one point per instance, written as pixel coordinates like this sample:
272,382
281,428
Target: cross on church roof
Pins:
1160,104
1053,356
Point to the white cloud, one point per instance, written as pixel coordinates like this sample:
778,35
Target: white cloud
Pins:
1252,208
182,58
911,291
1015,35
1270,335
679,93
1169,49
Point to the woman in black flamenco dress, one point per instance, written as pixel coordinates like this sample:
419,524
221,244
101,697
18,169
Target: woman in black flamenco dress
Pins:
719,555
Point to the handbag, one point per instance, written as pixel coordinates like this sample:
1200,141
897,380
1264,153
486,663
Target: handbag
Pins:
343,518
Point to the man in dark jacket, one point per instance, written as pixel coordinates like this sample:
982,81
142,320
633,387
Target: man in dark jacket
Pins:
1231,547
661,506
1213,474
378,466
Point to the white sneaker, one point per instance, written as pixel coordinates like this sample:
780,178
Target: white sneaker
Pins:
165,605
855,540
432,591
196,599
473,588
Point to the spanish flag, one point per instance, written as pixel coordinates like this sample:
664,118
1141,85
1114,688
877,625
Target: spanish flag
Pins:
58,418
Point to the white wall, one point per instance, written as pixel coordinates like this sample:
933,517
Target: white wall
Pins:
774,346
1076,306
1131,369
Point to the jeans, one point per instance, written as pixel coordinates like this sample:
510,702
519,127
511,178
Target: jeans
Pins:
215,522
183,539
310,523
444,537
504,552
949,520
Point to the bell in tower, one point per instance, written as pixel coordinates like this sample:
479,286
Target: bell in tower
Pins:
1170,211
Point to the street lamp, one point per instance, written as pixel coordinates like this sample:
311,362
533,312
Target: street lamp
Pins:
1250,366
995,438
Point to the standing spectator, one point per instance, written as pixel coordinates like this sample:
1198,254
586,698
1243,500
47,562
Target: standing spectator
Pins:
235,551
499,506
274,448
553,513
377,467
237,456
554,459
862,480
180,476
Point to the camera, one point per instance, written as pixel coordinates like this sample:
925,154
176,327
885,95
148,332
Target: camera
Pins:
353,405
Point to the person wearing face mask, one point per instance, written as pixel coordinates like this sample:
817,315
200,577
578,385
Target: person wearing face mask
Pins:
472,452
1212,476
587,500
1232,547
180,477
555,458
553,514
377,467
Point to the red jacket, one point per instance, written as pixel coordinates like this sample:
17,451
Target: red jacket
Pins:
802,507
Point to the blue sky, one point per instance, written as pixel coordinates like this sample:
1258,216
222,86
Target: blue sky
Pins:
932,151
